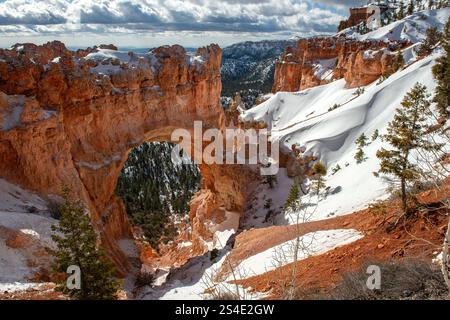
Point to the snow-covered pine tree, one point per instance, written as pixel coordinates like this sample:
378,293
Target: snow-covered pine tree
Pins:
76,243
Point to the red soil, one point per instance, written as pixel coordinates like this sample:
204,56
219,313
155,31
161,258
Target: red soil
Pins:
418,236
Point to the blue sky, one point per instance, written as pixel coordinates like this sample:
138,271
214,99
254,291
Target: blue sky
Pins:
148,23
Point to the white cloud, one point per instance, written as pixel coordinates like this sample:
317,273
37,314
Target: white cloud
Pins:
21,18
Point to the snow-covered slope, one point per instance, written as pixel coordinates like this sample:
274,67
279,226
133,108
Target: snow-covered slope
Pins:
304,118
25,231
323,121
412,28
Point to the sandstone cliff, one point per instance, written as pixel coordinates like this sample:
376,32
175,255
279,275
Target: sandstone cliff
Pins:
70,118
317,61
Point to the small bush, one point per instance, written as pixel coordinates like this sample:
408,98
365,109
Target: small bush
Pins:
32,209
144,279
359,91
335,169
213,254
334,107
54,208
379,208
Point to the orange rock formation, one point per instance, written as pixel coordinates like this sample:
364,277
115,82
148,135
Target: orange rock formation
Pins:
64,120
317,61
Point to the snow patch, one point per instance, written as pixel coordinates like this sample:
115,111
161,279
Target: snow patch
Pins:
312,244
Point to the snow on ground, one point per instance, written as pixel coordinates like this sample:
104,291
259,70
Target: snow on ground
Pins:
311,244
13,265
16,205
306,118
224,230
259,214
412,28
323,121
16,199
18,286
323,70
191,281
109,61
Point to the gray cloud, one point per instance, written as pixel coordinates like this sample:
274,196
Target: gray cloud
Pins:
342,3
294,16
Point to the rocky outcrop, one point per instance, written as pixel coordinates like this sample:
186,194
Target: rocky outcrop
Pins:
71,118
357,15
317,61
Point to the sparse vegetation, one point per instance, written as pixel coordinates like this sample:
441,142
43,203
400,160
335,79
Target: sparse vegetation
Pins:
361,142
375,135
400,280
319,172
359,91
335,169
432,38
334,107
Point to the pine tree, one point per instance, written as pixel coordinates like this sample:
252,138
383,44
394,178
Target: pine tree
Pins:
319,171
375,135
292,202
155,189
430,4
76,243
401,11
359,156
441,72
361,142
433,37
410,8
398,62
405,133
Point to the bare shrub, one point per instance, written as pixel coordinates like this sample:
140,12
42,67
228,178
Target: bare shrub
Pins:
408,279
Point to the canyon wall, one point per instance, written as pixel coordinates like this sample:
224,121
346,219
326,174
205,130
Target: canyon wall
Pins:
70,119
312,62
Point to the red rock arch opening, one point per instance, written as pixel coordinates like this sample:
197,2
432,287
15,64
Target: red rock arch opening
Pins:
70,118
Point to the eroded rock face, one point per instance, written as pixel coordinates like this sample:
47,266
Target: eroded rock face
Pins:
317,61
71,118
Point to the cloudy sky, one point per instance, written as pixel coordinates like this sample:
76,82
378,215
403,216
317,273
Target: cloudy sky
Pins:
148,23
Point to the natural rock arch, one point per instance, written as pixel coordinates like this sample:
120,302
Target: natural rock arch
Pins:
64,120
